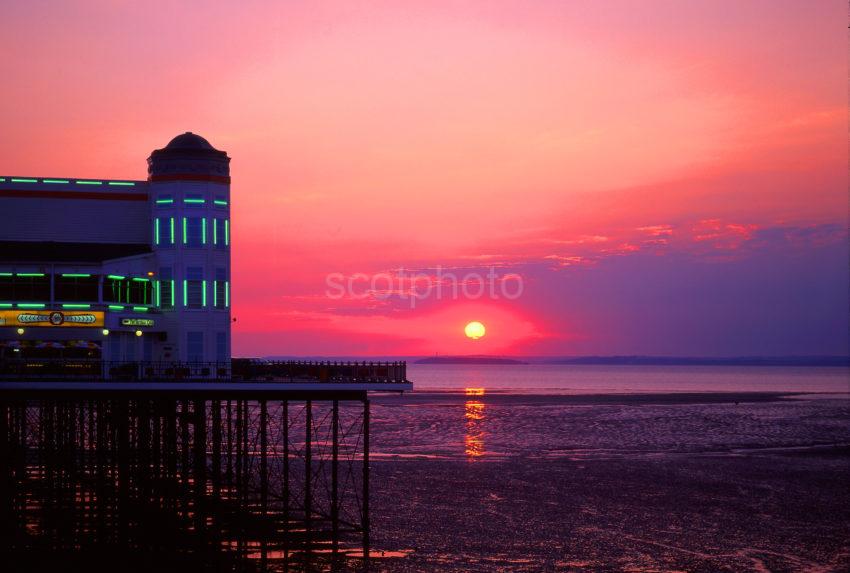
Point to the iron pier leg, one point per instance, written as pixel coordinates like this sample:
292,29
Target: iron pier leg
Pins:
366,483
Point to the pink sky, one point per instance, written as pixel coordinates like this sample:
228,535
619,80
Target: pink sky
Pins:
598,149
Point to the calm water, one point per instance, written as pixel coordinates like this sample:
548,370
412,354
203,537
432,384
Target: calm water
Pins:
612,468
585,379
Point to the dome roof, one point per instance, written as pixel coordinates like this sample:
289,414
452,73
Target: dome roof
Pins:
189,140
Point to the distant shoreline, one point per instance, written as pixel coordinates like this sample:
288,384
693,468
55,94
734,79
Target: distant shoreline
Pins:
833,361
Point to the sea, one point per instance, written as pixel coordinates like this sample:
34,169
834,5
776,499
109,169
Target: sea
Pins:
613,468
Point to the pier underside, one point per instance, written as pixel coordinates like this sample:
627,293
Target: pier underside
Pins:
203,477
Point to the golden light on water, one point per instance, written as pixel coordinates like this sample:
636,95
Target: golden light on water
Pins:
474,414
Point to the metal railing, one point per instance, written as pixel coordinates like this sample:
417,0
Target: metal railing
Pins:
239,369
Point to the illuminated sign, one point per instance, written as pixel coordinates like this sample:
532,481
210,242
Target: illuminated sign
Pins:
52,318
136,322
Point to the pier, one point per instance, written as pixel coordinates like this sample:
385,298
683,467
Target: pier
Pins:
262,466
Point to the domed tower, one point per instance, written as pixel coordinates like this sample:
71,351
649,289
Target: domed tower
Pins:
190,206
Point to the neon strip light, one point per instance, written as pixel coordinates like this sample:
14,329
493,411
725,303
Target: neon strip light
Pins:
196,201
172,230
215,293
30,305
172,292
116,277
89,182
185,232
140,279
185,293
156,230
203,293
2,179
14,180
140,308
5,274
76,306
164,201
55,181
125,183
5,305
227,231
226,293
204,230
30,274
116,307
74,275
158,294
220,202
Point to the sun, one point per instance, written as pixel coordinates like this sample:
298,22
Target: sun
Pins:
475,330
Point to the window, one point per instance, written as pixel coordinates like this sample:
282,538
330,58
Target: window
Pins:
163,231
221,347
218,233
24,287
195,346
220,288
76,287
166,287
194,231
194,288
113,289
139,291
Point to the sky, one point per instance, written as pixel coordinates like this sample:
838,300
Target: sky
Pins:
659,178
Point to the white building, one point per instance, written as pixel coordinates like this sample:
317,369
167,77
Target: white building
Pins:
120,270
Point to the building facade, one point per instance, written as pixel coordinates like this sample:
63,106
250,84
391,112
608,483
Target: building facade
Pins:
121,271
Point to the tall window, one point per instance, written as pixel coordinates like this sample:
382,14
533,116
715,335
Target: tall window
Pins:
194,288
163,231
195,346
220,288
194,231
221,347
166,287
220,233
76,287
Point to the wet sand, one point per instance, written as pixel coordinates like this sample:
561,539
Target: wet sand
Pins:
700,482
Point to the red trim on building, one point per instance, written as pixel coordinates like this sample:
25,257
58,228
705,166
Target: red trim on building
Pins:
190,177
92,195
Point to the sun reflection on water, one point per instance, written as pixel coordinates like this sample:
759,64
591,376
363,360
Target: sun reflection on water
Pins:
474,414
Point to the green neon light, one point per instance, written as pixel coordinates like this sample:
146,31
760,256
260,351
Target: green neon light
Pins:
140,279
164,201
215,231
125,183
172,292
116,277
203,293
220,202
185,232
89,182
185,292
55,181
204,230
15,180
195,201
5,305
30,274
140,308
5,274
172,230
156,230
30,305
75,275
158,294
227,231
116,307
2,179
76,306
226,293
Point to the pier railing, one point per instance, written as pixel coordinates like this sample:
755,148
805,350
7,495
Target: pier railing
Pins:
241,369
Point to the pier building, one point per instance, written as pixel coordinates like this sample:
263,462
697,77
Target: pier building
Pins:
120,270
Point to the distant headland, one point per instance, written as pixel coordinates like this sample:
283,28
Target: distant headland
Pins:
468,360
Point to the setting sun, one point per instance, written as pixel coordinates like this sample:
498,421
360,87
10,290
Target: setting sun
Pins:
474,330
